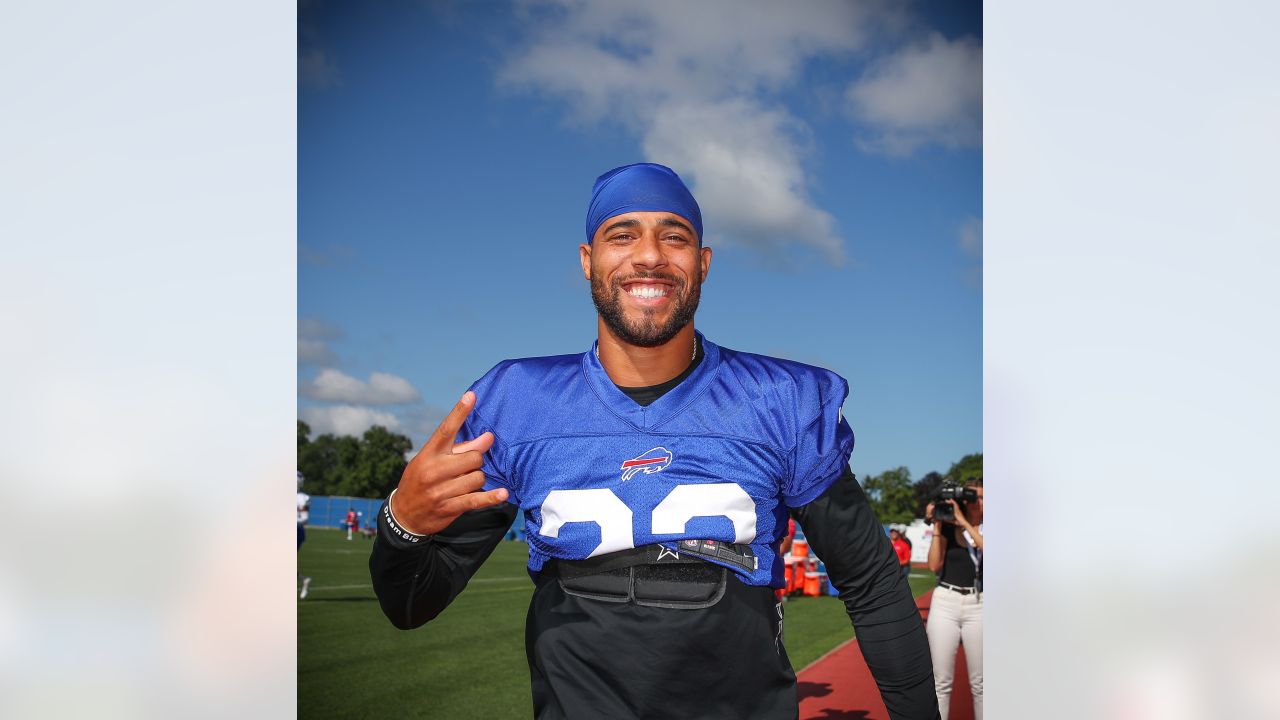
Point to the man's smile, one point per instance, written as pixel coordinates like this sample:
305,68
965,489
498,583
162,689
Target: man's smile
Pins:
648,290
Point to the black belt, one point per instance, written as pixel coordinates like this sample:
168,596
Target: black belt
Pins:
653,575
740,557
959,589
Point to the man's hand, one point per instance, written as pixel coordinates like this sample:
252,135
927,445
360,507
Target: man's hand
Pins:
440,483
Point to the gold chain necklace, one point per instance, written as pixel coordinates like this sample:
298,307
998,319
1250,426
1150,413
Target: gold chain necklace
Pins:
692,357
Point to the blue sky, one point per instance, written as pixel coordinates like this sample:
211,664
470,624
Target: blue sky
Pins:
446,154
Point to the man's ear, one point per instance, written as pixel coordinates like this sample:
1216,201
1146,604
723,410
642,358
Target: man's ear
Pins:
584,256
706,261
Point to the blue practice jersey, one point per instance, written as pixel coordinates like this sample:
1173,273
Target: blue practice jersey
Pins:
719,457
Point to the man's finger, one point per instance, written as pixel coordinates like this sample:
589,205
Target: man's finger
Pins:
475,501
460,486
443,437
447,467
479,444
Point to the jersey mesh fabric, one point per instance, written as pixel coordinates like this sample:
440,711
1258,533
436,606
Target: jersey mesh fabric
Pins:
719,457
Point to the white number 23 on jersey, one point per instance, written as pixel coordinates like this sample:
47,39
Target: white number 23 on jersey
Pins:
670,517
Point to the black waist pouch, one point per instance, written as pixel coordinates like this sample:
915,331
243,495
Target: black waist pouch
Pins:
652,576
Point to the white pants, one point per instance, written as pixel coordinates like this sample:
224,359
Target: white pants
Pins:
953,616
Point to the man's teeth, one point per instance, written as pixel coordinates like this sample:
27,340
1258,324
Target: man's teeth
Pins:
647,291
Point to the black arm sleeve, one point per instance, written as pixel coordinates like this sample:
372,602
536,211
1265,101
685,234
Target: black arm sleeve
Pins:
415,582
843,530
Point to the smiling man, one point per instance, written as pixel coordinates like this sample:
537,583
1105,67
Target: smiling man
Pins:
655,472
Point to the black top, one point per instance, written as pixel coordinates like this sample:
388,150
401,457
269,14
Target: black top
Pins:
593,659
645,396
957,564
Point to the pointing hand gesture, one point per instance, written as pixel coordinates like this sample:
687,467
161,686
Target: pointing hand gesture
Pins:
440,482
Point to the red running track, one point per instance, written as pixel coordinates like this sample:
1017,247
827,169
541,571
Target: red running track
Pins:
838,685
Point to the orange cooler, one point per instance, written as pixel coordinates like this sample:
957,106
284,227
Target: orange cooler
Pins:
791,569
812,584
800,548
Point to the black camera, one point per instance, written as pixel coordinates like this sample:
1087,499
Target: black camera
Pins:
942,509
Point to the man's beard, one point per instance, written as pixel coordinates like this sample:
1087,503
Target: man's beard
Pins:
645,330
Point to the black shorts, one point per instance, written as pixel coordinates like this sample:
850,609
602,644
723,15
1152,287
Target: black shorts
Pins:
594,659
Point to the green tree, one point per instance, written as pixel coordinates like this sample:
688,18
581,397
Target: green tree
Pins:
891,496
304,439
326,461
924,490
344,466
381,462
369,466
969,466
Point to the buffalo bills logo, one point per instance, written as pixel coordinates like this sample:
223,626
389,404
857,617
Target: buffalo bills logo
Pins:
651,462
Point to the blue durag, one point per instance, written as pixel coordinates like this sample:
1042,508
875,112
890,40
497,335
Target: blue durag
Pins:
642,187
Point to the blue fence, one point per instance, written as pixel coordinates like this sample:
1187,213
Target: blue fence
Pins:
331,511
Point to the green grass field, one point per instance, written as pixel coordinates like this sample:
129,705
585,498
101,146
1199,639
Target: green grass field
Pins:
470,661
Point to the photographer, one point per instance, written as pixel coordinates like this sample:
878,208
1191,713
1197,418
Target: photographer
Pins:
955,555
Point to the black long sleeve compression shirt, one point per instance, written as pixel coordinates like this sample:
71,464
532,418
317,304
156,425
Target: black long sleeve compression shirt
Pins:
843,530
416,581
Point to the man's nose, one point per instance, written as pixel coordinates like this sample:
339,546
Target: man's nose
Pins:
648,251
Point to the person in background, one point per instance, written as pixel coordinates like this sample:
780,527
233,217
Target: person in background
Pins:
902,548
304,512
955,554
351,521
783,549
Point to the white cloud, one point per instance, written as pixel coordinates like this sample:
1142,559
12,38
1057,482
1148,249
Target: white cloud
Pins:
925,93
693,82
420,420
381,388
313,341
315,352
318,329
747,174
346,419
316,70
971,236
